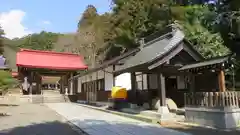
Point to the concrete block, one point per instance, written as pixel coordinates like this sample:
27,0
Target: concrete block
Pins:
146,106
133,106
223,118
163,110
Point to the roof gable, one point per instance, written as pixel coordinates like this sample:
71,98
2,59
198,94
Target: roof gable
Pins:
155,49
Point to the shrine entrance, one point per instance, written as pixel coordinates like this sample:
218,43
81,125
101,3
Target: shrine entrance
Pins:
34,65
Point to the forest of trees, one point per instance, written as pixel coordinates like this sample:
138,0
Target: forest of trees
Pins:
212,26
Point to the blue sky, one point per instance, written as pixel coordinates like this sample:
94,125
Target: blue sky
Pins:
50,15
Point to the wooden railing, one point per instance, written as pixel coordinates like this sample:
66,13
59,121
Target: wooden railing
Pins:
212,99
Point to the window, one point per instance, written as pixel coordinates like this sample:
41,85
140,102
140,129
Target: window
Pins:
139,81
100,84
93,85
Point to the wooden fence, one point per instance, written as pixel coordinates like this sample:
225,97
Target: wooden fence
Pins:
212,99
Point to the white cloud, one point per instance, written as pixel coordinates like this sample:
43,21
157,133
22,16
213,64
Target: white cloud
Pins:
11,22
46,22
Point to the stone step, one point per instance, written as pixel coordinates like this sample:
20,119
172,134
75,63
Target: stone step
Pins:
34,99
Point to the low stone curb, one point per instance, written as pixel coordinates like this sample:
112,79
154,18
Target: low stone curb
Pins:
136,117
201,126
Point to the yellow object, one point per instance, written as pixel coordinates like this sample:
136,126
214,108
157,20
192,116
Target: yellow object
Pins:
119,93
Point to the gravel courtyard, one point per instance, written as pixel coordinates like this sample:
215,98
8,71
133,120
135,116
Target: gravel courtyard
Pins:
33,119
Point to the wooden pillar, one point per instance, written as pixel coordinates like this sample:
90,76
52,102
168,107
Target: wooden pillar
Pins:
149,92
61,88
133,84
71,84
56,86
161,89
89,90
221,81
31,82
192,83
114,68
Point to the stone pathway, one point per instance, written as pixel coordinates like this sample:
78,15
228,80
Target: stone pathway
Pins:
201,130
100,123
33,119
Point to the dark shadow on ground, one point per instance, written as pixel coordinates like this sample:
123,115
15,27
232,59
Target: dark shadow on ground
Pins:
98,127
48,128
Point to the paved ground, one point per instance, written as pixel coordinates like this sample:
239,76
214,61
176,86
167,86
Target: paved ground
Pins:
100,123
33,119
199,130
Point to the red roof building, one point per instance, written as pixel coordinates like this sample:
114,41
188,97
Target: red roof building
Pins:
49,60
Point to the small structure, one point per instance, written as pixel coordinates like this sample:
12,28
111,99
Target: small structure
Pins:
32,64
3,65
213,105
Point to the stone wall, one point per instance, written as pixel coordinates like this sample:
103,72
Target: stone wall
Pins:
223,118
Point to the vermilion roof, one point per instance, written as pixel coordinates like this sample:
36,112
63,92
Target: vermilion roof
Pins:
49,60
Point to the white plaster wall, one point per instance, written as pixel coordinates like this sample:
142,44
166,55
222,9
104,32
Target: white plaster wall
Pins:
84,79
94,76
108,78
124,80
88,78
100,74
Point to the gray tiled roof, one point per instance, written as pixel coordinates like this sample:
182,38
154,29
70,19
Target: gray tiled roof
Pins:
206,63
154,49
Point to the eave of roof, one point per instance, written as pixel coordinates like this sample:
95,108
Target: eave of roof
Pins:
207,62
49,60
109,62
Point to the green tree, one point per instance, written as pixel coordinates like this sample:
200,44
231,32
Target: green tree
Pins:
134,19
6,80
91,37
228,23
89,17
1,41
38,41
198,26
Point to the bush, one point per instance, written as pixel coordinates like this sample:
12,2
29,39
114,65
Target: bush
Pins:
6,80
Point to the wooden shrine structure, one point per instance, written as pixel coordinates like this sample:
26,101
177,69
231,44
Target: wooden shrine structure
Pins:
32,64
164,66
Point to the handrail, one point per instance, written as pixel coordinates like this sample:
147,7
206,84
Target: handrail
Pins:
212,99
